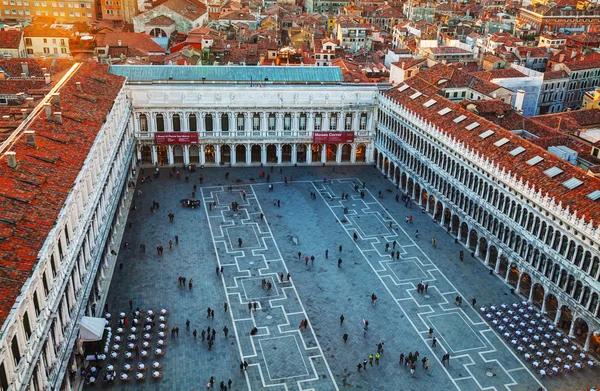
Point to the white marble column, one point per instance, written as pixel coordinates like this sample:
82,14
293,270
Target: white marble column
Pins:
279,154
353,153
202,156
338,153
154,155
263,154
233,154
248,154
186,154
217,154
294,153
324,153
170,158
308,153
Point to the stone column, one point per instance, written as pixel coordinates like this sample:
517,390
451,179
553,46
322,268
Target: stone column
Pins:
217,122
294,153
248,121
233,155
279,122
248,154
325,123
557,317
186,154
544,299
572,328
530,299
279,154
498,259
295,121
353,153
308,153
263,154
588,340
168,118
217,154
355,121
264,122
518,284
201,126
170,155
487,255
154,155
338,153
324,154
310,121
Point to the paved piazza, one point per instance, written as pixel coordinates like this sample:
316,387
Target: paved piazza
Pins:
282,356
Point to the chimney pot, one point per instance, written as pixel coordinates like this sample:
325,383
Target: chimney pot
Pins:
48,109
24,113
58,117
6,117
78,85
23,75
11,158
30,138
56,98
47,78
29,101
2,75
25,67
119,43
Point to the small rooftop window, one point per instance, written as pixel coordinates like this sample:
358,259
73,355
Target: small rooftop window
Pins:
460,118
416,95
430,103
472,126
534,160
444,111
572,183
517,151
486,134
403,87
501,142
552,172
595,195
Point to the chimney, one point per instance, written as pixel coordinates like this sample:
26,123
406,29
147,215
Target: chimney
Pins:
6,117
30,138
58,117
29,101
24,113
25,67
2,75
48,109
47,78
56,98
519,101
78,85
119,43
11,158
561,58
23,75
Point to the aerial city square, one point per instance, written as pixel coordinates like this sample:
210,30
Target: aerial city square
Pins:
299,195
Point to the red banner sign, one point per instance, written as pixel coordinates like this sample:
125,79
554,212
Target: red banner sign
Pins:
333,137
176,138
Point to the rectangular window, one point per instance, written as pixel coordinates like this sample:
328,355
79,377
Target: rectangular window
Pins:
45,283
26,325
3,378
45,40
302,122
63,50
240,123
47,50
318,122
256,122
36,304
272,122
287,122
14,347
348,124
53,265
28,41
333,122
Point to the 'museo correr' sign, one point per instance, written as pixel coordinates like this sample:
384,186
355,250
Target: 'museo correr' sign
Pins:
333,137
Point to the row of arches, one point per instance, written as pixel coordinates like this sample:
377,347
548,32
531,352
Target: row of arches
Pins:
252,153
550,236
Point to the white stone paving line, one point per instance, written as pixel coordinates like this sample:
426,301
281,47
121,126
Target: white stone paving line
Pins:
214,190
325,189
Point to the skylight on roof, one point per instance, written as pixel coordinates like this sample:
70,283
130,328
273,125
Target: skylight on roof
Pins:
444,111
404,87
552,172
430,103
534,160
501,142
416,95
517,151
460,118
572,183
595,195
486,134
472,126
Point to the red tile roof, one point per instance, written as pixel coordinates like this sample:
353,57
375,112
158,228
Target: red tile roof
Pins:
137,44
10,39
45,31
33,194
575,199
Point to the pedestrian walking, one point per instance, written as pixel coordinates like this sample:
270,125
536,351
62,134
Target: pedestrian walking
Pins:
342,319
426,363
434,342
394,244
195,333
417,234
355,236
365,364
203,335
373,298
130,304
210,344
340,248
345,337
222,270
255,305
423,361
377,356
401,358
433,241
326,254
190,284
187,324
412,368
397,255
306,261
225,307
170,244
208,310
387,247
225,331
217,271
371,359
312,260
212,314
339,262
241,367
299,255
462,255
359,366
229,382
249,306
473,302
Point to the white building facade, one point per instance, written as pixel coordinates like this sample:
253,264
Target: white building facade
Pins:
69,279
547,254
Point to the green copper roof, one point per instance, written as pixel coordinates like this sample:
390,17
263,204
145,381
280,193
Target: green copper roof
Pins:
277,74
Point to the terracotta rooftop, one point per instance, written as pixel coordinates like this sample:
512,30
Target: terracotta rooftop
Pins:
160,20
136,44
45,31
10,39
575,199
33,194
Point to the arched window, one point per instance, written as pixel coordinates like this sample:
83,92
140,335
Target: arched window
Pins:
348,122
193,125
208,122
225,122
302,122
272,121
160,123
143,123
176,123
240,122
